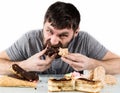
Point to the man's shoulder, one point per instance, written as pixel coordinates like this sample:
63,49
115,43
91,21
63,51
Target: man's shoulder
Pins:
33,33
83,34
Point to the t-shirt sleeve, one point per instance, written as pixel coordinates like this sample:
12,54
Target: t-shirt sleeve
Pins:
94,48
16,52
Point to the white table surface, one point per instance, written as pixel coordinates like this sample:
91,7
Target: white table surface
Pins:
42,87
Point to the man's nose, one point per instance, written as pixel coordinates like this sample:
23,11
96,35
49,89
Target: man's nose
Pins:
54,40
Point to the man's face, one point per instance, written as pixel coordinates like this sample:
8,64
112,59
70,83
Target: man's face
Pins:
64,36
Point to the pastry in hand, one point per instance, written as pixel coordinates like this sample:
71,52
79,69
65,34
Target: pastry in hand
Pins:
63,52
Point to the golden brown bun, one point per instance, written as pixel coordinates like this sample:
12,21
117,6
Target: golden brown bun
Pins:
6,81
99,73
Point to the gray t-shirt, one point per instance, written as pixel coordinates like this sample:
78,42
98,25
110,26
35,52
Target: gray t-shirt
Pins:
32,42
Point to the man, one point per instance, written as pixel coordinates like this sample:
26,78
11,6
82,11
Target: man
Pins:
61,24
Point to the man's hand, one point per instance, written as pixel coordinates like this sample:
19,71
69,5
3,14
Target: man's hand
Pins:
78,62
35,63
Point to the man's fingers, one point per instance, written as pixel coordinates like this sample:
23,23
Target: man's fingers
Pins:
66,60
74,57
42,52
75,65
70,62
51,58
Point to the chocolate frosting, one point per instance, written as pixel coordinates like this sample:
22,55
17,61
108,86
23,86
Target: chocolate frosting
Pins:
30,76
53,49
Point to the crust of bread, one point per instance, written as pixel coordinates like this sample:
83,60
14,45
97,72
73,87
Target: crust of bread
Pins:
6,81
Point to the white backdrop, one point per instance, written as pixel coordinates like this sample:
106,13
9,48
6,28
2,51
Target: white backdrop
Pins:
100,18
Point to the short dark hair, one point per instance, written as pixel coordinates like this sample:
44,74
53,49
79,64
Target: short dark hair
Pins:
63,15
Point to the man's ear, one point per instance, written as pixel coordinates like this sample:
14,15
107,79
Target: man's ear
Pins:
76,32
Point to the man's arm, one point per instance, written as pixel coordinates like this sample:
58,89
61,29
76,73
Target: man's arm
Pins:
34,63
111,62
5,63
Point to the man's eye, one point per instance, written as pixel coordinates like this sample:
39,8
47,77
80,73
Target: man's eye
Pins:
49,31
63,36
